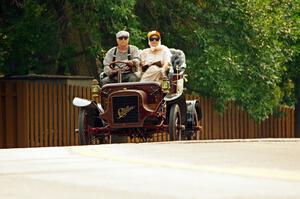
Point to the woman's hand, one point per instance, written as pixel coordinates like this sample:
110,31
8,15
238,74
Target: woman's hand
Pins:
166,68
144,67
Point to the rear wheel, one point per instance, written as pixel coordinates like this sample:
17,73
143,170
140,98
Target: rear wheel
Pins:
175,123
195,134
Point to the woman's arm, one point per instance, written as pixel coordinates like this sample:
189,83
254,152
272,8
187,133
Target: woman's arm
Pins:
166,60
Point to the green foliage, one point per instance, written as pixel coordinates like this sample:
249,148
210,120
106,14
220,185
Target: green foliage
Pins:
51,37
241,50
3,51
236,50
101,20
29,39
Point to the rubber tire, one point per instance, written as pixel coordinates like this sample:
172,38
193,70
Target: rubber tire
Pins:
83,138
174,122
196,134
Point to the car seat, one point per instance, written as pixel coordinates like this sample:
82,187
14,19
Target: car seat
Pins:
178,60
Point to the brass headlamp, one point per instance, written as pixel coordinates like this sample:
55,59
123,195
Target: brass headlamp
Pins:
95,88
165,85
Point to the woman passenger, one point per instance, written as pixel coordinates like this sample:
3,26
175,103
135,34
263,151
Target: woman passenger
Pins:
155,60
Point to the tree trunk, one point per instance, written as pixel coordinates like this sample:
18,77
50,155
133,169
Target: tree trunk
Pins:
71,36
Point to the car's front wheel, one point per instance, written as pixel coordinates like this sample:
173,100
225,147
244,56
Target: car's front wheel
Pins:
175,123
84,138
90,118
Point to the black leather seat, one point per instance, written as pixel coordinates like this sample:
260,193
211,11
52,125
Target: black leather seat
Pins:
178,60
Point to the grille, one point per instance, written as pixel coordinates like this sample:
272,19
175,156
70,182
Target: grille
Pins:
125,109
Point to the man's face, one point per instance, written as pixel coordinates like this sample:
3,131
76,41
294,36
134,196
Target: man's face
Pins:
122,41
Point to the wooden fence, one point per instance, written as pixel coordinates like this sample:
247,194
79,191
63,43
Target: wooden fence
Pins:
37,111
237,124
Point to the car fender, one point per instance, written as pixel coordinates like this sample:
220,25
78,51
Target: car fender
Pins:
80,102
172,97
193,106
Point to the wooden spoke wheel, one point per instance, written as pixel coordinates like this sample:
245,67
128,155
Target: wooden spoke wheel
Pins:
175,123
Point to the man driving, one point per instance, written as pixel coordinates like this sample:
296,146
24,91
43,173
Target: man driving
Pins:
128,54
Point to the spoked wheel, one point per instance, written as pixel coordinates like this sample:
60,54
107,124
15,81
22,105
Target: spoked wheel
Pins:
88,118
83,126
195,135
175,123
107,139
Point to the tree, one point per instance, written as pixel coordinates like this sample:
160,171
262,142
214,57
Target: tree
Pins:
241,50
235,49
29,33
61,36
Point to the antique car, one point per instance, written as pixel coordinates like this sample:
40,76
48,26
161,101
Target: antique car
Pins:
140,109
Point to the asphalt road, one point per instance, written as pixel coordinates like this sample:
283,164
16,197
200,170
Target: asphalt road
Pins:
205,169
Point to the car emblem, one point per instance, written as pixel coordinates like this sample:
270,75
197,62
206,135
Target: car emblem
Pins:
122,112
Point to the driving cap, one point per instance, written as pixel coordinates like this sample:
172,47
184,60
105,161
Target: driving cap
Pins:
153,32
122,33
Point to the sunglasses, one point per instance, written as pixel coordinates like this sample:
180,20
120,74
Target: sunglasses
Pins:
122,38
154,38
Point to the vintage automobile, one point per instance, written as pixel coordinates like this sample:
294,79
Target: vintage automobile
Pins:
139,109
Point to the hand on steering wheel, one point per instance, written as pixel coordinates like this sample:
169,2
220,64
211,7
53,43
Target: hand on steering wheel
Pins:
122,65
113,73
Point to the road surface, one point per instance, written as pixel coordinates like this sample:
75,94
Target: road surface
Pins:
265,168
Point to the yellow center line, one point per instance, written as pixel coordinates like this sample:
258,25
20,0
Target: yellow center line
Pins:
269,173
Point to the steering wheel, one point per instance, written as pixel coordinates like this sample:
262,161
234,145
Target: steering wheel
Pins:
122,66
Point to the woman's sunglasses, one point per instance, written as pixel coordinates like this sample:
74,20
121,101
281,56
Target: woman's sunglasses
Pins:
154,38
122,38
